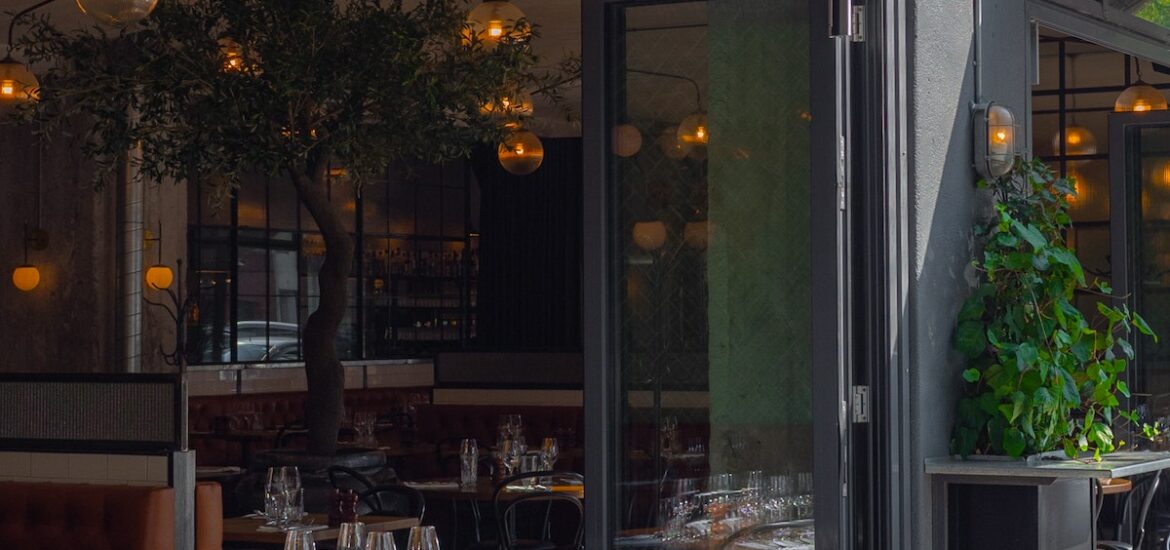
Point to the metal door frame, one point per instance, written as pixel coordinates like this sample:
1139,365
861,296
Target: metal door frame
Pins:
860,130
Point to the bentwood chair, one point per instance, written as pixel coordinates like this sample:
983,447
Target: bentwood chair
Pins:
393,500
567,509
506,539
342,478
1144,489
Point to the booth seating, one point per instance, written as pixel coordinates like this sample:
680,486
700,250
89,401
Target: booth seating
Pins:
273,412
208,516
51,516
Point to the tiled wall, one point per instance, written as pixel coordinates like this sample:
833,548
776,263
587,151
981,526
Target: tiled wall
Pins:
84,468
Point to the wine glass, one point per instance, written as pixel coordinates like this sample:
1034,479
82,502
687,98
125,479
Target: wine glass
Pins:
380,540
423,538
299,539
351,536
549,449
275,490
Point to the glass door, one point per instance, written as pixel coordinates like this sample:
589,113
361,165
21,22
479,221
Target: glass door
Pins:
723,231
1140,232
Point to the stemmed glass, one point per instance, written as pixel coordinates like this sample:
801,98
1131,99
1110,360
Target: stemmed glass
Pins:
299,539
549,449
423,538
351,536
282,496
380,540
364,423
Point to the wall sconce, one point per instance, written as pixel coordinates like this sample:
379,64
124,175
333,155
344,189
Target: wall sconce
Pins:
26,276
995,139
180,309
627,140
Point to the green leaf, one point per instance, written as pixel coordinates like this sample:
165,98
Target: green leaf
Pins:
1068,259
970,339
1123,388
1143,327
971,375
1029,233
1013,442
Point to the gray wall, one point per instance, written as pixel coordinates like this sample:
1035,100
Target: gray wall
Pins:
944,201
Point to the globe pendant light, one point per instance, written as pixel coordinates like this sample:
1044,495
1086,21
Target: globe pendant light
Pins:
18,86
650,236
494,21
1078,141
521,152
26,277
627,140
159,277
693,130
117,13
1140,97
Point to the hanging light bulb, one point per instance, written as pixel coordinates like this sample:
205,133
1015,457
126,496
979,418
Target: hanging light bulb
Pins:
117,13
514,104
159,277
693,130
627,140
650,235
521,152
1140,97
494,21
1078,141
18,86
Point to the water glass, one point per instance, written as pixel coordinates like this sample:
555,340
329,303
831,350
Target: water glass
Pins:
529,463
292,507
351,536
549,449
299,539
423,538
468,463
380,540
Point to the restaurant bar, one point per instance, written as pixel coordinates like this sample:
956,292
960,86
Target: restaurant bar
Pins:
568,274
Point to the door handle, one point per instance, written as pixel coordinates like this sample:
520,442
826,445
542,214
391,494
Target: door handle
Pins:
840,18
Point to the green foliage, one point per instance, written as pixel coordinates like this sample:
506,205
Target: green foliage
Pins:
362,84
1040,375
1155,11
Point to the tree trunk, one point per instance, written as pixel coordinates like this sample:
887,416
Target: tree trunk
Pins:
323,371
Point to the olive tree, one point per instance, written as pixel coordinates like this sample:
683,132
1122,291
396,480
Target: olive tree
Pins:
211,90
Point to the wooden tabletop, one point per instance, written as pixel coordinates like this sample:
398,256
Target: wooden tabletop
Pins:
245,529
485,490
1115,486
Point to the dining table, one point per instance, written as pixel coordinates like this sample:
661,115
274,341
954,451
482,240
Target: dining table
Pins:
253,531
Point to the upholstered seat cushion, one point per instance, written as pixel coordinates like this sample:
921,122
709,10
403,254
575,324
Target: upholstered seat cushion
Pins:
52,516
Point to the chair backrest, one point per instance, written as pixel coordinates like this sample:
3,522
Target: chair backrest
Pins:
501,489
551,502
395,500
342,478
764,528
1147,499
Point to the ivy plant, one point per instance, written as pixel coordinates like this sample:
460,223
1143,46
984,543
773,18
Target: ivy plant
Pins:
1041,375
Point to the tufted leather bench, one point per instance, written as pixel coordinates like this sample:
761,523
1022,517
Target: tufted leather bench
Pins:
51,516
275,411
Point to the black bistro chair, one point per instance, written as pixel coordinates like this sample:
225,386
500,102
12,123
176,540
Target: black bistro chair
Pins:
552,509
1145,489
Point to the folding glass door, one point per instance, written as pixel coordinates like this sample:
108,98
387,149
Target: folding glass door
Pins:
723,279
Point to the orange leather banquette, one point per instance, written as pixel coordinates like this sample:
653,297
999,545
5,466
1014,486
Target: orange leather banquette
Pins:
51,516
274,411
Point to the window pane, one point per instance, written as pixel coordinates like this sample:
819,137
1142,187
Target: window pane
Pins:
282,204
714,341
252,202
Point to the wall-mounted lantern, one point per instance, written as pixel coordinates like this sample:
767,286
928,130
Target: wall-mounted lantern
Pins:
995,139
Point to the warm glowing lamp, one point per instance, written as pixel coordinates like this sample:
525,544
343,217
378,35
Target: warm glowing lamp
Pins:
1140,98
693,130
117,13
494,20
627,140
650,235
26,277
1078,141
159,277
18,86
521,152
995,139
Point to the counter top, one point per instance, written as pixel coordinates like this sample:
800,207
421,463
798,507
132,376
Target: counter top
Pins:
1113,465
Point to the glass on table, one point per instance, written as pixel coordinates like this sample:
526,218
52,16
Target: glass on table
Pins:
423,537
380,540
468,463
299,539
549,449
351,536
